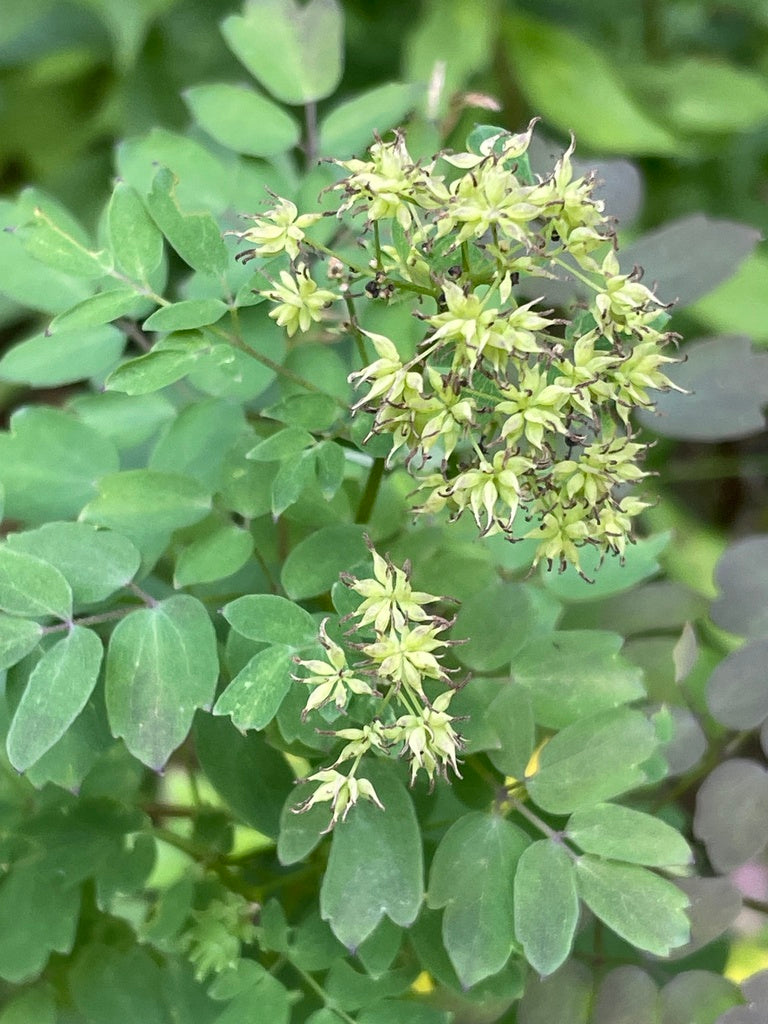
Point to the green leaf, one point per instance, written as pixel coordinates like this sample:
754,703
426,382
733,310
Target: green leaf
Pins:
732,813
242,119
549,65
294,51
50,464
198,440
301,831
645,910
151,372
282,445
251,776
741,576
378,952
95,563
471,876
195,236
35,1004
511,717
627,995
698,95
313,412
56,239
496,622
136,243
17,638
30,586
610,576
351,125
572,675
593,760
293,476
739,304
313,566
382,851
213,557
699,997
546,905
147,506
399,1011
71,758
620,833
68,356
691,256
565,997
254,696
184,316
102,308
351,989
57,691
49,910
27,281
271,619
330,463
161,665
109,984
253,994
729,385
124,420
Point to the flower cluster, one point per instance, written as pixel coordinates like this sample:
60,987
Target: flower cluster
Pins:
513,412
215,934
396,652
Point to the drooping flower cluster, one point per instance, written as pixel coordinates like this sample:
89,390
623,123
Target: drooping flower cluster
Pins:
396,651
508,409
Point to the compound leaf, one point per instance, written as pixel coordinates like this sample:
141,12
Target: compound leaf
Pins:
546,905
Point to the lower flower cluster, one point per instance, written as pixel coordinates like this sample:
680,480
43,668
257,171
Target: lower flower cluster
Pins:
390,667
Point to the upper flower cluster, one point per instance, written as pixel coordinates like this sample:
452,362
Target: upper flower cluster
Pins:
392,666
519,412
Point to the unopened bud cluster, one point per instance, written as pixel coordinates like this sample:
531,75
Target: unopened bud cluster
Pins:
393,650
506,411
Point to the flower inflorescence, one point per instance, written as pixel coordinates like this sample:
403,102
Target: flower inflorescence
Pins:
506,410
391,654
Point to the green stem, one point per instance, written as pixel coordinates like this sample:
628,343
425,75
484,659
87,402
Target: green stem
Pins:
377,243
356,330
227,878
310,133
760,905
543,827
318,989
370,491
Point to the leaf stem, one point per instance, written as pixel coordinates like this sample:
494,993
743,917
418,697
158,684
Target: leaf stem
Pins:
370,491
318,989
310,133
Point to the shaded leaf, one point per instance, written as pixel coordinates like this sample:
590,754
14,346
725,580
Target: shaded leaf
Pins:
56,239
690,256
161,665
610,576
511,716
546,905
108,984
102,308
715,903
137,245
213,557
732,813
151,372
741,577
184,316
49,910
627,995
57,691
250,776
737,695
697,997
300,832
729,386
564,996
643,908
352,124
496,622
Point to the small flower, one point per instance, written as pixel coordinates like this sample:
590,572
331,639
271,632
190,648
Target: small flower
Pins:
429,739
482,488
341,791
535,406
333,680
561,532
390,378
406,655
465,322
281,229
389,598
300,301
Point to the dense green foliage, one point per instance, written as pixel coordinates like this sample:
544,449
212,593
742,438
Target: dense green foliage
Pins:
359,665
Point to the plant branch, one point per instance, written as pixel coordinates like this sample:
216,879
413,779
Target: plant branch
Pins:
370,491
